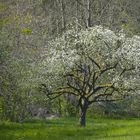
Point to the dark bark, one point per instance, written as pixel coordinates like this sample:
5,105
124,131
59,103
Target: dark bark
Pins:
83,114
83,117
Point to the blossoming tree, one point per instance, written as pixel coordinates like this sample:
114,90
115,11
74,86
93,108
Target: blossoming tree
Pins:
96,65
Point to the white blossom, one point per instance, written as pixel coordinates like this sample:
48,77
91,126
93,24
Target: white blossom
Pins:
105,46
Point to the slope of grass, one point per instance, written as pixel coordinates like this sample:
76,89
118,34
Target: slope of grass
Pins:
68,129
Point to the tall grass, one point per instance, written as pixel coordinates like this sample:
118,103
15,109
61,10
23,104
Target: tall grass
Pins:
68,129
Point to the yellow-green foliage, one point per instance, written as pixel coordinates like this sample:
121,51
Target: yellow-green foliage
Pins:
2,7
3,20
26,31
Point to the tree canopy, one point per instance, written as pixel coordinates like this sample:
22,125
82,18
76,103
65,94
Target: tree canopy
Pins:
95,65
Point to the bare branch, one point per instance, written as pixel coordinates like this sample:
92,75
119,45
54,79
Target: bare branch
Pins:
108,68
93,61
125,70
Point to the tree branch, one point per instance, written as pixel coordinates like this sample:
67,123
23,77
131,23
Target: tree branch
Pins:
93,61
108,68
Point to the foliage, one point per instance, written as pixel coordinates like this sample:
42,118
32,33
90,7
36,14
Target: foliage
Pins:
18,51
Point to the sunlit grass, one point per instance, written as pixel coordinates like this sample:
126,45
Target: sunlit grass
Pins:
68,129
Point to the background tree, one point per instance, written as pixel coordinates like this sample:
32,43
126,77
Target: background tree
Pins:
18,51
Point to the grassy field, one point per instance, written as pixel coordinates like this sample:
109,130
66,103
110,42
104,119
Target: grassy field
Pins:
68,129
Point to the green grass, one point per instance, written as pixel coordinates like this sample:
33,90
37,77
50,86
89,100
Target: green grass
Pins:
68,129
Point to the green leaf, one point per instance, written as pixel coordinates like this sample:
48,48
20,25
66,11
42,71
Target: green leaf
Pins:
26,31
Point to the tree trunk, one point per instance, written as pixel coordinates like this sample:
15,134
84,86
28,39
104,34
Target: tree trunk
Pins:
88,14
83,116
63,15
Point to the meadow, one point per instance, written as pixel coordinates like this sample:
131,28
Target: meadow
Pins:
68,129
